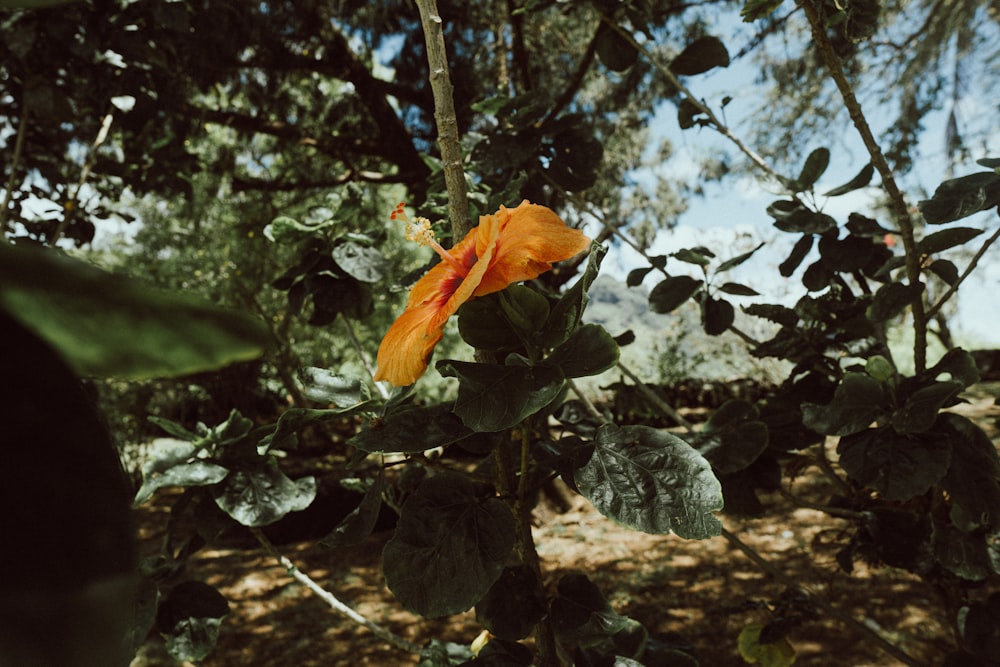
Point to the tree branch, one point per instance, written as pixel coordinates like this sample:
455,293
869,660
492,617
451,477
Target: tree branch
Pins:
447,122
952,289
241,184
15,160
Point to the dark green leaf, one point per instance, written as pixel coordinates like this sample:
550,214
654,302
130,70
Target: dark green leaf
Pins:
513,605
945,270
817,276
636,276
699,56
921,408
493,398
565,315
196,473
989,162
899,467
652,481
525,309
959,365
737,289
862,179
782,315
482,325
687,114
576,158
672,292
739,259
799,252
892,299
758,9
697,256
189,618
717,316
359,524
857,402
806,222
733,438
814,167
945,239
589,351
412,430
173,428
860,225
846,255
616,52
783,209
581,617
449,548
105,325
961,197
263,495
973,480
961,553
293,420
359,261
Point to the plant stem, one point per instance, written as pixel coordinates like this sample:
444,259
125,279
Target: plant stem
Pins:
950,292
899,207
447,121
362,356
331,599
833,612
22,130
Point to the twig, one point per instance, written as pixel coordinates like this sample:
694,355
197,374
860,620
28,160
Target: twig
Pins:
833,612
331,599
662,405
587,403
899,207
15,160
71,203
447,121
950,292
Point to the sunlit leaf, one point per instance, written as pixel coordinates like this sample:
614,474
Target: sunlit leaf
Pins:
263,495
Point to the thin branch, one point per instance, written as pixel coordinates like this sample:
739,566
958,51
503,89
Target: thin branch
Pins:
70,206
446,119
331,599
362,356
952,289
15,160
587,403
862,628
899,207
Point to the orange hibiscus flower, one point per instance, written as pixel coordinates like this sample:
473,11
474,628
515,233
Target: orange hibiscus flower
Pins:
510,246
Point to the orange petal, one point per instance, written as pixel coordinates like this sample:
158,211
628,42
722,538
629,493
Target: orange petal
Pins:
531,237
407,346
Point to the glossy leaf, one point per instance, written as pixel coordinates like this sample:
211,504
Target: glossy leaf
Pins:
360,261
898,466
412,430
292,420
961,197
733,438
653,481
189,618
758,9
672,292
195,473
589,351
945,270
105,325
493,397
449,548
857,402
565,314
263,495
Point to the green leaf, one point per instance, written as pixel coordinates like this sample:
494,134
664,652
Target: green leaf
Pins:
799,252
814,167
581,617
449,548
492,397
737,289
565,315
717,316
860,225
898,466
262,495
961,553
513,605
959,365
687,114
359,261
105,325
699,56
989,162
892,299
857,402
733,438
412,430
696,256
616,52
973,480
653,481
945,270
672,292
779,653
636,276
961,197
862,179
945,239
293,420
921,408
589,351
758,9
782,315
190,618
482,325
359,524
806,222
739,259
195,473
526,310
325,386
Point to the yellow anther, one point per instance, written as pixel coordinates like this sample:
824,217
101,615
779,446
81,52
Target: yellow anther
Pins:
419,230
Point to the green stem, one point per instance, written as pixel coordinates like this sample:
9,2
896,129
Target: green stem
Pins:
446,119
898,202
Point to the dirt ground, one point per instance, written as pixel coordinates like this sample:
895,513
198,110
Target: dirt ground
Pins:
704,591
